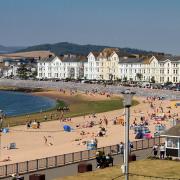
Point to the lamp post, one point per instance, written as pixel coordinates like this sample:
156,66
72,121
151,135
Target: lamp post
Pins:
127,95
1,123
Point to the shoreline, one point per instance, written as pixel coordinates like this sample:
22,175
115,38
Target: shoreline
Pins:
78,99
29,92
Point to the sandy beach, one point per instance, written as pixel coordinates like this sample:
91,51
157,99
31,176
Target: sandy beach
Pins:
31,143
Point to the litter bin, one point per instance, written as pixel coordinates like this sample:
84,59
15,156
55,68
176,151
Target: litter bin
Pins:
18,178
132,157
37,177
84,168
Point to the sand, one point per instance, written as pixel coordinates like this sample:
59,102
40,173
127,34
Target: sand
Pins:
31,145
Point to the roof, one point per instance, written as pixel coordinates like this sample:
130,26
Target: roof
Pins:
171,58
131,60
174,131
96,54
107,52
123,54
70,58
47,59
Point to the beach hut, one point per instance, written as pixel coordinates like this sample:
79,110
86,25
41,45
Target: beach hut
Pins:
172,141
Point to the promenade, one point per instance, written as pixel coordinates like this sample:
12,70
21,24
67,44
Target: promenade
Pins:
67,164
168,94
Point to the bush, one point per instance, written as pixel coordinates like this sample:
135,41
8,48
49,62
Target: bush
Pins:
168,158
152,157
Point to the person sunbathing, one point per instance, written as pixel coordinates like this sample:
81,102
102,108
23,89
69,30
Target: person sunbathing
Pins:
6,159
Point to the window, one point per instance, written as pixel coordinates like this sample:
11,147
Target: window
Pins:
172,143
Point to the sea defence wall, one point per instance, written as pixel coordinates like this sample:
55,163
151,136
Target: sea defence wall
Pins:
168,94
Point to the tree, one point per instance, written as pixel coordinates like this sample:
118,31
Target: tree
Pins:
131,79
23,72
34,74
152,79
125,79
139,76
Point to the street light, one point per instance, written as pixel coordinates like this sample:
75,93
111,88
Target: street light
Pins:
127,102
1,123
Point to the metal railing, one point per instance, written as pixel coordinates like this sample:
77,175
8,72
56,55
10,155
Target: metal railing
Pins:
62,160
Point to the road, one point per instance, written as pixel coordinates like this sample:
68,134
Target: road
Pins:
168,94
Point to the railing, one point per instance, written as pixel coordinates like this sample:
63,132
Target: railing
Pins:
62,160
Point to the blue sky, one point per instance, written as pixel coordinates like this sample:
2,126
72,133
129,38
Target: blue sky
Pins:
142,24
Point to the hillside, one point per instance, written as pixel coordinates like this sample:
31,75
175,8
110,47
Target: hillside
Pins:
29,54
66,48
4,49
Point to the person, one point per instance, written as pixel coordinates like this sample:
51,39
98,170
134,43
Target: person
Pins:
45,118
45,139
6,159
38,124
130,146
121,148
162,151
155,150
109,160
28,125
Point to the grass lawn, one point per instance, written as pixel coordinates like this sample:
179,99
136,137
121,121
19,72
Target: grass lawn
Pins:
158,168
78,106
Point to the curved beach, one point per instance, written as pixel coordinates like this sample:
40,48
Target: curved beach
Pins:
31,143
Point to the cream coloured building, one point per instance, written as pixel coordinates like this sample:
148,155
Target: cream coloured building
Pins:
103,65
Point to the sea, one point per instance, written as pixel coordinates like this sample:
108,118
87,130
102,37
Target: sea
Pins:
19,103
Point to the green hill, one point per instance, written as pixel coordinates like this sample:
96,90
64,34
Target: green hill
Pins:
66,48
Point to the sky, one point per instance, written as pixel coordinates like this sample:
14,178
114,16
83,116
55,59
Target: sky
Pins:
142,24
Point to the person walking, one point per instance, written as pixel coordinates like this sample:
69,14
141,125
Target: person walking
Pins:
162,151
155,150
121,148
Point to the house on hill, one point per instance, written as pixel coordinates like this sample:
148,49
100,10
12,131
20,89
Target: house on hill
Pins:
172,141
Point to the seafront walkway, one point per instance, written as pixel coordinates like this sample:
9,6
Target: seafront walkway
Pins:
168,94
67,164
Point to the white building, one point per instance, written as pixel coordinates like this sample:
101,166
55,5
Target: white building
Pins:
111,65
67,66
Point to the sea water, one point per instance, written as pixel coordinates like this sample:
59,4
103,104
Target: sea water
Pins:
18,103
